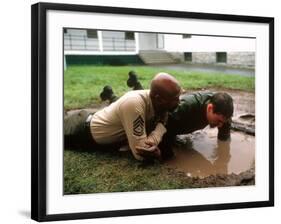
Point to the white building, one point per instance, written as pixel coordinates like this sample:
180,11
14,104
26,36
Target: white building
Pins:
126,47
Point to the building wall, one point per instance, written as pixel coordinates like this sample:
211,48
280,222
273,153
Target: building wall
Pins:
147,41
106,41
240,51
107,48
204,57
234,59
176,43
178,56
241,58
115,41
76,39
111,41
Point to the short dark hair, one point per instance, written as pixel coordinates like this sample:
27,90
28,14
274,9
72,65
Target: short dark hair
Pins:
223,104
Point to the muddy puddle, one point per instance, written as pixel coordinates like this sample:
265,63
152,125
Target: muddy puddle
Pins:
201,154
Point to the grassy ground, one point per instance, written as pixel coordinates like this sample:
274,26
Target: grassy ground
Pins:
91,172
94,172
83,84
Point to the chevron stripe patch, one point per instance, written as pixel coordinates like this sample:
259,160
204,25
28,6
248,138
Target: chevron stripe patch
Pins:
138,126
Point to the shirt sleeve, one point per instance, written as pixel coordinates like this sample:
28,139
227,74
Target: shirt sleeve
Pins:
132,116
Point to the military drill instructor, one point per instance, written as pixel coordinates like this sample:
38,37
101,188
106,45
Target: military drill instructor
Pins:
138,117
196,111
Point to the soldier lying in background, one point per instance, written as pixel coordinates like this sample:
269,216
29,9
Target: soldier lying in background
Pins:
108,94
133,81
195,112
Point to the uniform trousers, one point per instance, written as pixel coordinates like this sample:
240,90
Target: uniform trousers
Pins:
77,130
77,133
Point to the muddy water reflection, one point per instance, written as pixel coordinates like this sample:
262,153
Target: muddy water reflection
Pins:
202,154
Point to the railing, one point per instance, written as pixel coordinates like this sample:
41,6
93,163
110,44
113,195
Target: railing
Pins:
82,42
118,44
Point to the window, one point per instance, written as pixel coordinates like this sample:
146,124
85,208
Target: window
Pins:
221,57
92,34
187,56
185,36
129,35
65,30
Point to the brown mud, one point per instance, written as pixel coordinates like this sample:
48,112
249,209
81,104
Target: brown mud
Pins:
200,154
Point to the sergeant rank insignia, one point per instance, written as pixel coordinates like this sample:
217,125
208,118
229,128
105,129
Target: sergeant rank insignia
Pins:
138,126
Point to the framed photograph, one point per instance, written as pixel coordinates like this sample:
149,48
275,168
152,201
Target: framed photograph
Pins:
90,61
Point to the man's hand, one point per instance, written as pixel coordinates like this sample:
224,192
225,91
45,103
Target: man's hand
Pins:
151,152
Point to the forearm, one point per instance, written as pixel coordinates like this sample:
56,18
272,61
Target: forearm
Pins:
134,124
155,137
146,147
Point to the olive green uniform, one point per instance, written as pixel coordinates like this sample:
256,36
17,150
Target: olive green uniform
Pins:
188,117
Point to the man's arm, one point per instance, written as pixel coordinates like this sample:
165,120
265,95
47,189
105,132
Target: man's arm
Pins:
132,115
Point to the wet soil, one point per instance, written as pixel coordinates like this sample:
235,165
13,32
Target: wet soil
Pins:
222,180
200,154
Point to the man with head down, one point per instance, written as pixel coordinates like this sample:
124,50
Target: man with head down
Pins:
138,118
194,112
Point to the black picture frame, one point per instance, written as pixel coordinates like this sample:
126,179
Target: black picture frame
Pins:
39,106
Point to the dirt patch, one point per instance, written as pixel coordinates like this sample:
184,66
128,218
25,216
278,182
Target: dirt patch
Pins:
221,180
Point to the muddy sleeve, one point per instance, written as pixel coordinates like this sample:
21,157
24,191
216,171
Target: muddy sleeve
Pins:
132,116
224,131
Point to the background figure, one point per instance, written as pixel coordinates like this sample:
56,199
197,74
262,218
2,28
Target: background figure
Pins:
108,94
133,82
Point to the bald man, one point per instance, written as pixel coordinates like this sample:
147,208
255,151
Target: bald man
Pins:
137,118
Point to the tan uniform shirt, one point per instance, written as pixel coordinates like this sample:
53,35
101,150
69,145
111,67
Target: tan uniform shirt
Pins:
127,118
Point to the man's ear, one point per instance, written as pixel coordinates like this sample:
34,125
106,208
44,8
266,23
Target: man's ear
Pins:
210,107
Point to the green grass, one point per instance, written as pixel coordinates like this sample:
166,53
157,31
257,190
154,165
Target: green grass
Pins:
95,172
83,84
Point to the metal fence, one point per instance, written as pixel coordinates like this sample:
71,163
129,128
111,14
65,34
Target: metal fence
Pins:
82,42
